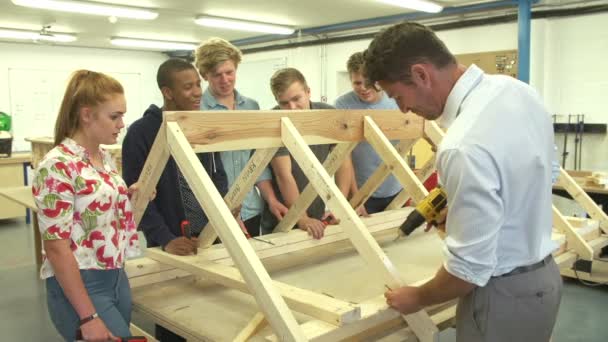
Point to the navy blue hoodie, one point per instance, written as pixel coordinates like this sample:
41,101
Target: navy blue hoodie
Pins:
162,218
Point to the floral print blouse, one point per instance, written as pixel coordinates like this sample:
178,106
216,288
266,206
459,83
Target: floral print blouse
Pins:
86,205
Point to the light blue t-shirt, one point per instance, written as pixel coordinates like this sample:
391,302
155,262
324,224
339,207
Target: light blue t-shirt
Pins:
365,158
235,161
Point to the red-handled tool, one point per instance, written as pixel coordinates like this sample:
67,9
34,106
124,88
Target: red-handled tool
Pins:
185,227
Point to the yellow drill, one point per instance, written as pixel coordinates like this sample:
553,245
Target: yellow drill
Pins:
426,210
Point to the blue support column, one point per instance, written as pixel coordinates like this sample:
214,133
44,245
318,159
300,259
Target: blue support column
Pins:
524,21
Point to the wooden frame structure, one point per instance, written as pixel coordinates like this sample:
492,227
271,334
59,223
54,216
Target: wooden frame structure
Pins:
185,133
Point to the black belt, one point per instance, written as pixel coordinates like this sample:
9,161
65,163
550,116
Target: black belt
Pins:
528,268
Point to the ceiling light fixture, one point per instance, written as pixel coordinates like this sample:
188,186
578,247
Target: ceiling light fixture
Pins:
152,44
35,35
419,5
90,8
242,25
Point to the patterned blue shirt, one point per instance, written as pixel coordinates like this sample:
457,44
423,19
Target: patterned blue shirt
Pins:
235,161
365,158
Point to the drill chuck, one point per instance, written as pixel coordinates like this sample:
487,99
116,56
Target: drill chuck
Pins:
413,221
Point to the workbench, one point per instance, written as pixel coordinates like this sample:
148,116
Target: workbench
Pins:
202,311
13,173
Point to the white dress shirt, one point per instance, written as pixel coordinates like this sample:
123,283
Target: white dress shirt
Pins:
495,165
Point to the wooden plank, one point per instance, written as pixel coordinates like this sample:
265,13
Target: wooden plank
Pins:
575,241
580,196
256,324
391,158
423,174
377,318
433,132
216,131
21,195
150,173
377,178
239,189
323,307
137,331
359,235
258,280
332,163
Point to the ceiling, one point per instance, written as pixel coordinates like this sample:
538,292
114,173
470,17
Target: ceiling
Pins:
176,19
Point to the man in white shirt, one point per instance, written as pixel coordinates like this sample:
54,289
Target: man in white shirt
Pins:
495,165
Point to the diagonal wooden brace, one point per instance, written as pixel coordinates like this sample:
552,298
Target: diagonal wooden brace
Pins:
239,189
332,164
361,238
579,195
266,295
391,158
378,177
151,172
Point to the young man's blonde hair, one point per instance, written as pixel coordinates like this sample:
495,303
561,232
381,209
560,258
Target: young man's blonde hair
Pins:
355,63
283,78
213,52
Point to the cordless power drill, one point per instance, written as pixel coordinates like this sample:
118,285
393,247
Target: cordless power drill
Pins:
426,210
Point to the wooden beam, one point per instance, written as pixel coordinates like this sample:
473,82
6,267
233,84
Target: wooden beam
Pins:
150,173
363,241
423,174
272,304
323,307
257,323
137,331
377,178
391,158
332,163
216,131
580,196
575,241
433,133
240,188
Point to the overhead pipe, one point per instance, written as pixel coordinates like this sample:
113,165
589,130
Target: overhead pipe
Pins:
379,21
524,23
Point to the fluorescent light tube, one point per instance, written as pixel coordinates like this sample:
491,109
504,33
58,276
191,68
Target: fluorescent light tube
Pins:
152,44
34,35
242,25
90,8
419,5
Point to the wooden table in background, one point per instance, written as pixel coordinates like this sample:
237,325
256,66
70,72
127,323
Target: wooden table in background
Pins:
22,196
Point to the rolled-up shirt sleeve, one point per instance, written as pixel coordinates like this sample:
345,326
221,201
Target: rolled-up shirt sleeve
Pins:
471,180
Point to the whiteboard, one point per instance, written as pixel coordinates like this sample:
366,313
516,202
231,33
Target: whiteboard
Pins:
35,96
253,80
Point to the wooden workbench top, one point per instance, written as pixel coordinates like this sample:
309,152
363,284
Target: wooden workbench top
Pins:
17,158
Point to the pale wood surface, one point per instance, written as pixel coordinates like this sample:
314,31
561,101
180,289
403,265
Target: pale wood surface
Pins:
315,304
580,196
218,313
580,177
220,131
11,175
575,241
150,173
253,327
17,158
252,270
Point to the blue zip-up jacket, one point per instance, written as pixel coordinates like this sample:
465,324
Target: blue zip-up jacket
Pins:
162,218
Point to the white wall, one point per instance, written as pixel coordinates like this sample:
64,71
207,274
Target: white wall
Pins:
67,59
567,68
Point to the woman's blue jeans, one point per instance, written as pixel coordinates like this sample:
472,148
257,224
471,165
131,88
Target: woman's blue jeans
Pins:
110,293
